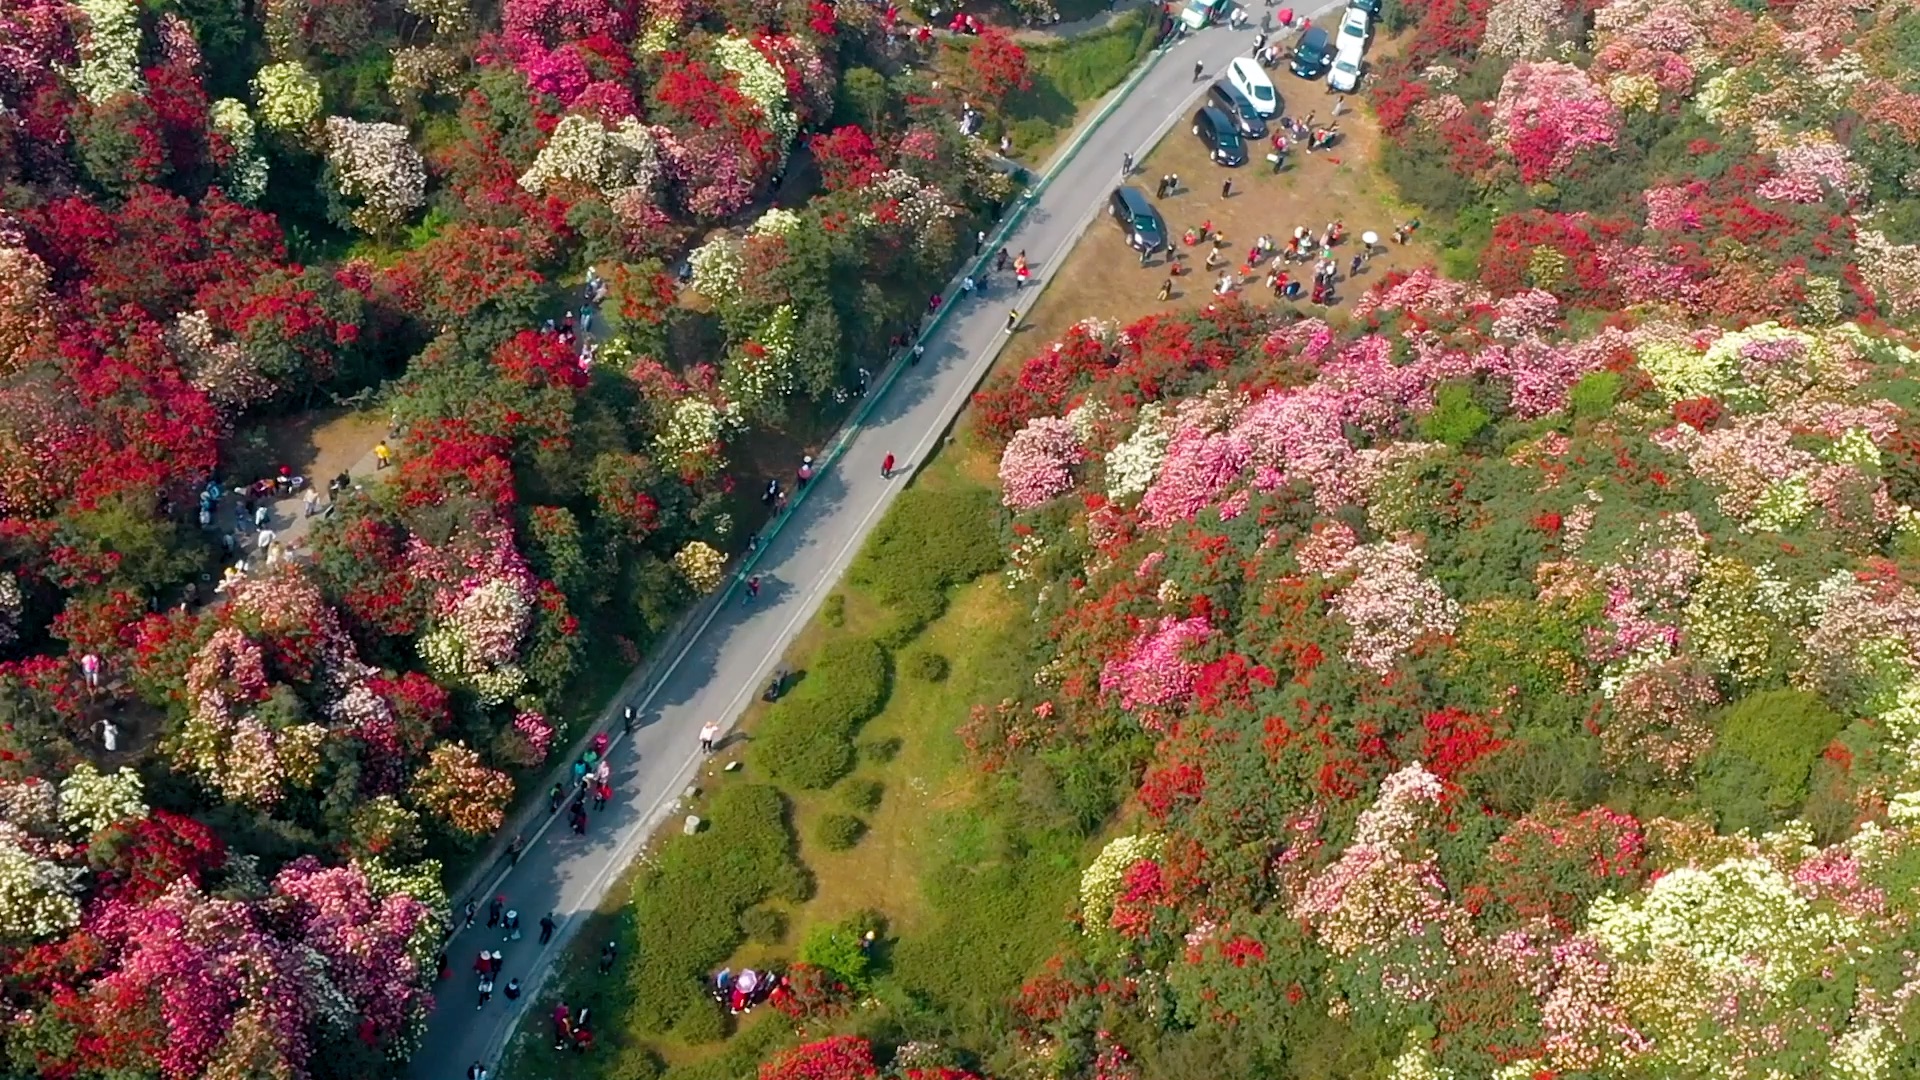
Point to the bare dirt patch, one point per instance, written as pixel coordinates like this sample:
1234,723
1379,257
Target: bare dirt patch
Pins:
1103,278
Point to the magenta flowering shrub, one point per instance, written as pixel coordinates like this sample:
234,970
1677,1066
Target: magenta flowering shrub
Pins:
1158,668
1038,462
1547,113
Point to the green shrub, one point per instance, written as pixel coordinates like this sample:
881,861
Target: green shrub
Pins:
1456,417
701,1023
929,542
838,832
836,948
793,883
927,665
764,925
861,795
834,611
1593,396
807,739
1757,773
687,906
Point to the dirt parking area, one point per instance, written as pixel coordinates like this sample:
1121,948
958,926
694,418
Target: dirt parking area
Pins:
1103,277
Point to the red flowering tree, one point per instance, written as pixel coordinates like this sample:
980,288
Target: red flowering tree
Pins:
847,158
996,66
843,1057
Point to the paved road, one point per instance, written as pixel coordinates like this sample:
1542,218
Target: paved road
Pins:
730,659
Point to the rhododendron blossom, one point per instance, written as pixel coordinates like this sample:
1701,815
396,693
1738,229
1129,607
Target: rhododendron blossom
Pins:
1037,465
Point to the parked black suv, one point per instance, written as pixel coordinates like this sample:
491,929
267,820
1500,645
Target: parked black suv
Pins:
1143,226
1247,120
1371,7
1222,139
1313,54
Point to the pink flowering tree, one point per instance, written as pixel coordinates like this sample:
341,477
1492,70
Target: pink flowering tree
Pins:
1158,668
1037,465
1548,112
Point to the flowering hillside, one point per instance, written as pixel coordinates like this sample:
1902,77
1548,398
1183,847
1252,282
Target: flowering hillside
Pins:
223,819
1523,700
1519,680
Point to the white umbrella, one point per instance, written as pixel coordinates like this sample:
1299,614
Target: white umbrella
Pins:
1369,238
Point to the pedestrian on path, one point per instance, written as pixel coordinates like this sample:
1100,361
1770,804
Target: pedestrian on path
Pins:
476,1071
513,990
1000,261
512,925
554,795
495,910
805,472
753,589
1199,70
607,955
967,285
708,733
486,993
382,457
473,906
1226,188
578,815
602,791
1166,290
484,965
546,928
979,241
886,467
1013,320
1126,165
311,501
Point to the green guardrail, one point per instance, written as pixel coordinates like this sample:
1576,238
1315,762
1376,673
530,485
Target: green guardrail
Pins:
978,268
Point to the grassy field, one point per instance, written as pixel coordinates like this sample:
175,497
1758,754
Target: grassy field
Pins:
969,891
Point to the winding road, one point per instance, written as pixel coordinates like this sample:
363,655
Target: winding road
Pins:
729,657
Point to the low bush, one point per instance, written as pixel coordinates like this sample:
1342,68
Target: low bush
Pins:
833,611
838,832
807,739
1757,773
929,542
1455,418
861,795
838,949
687,908
926,665
701,1023
764,925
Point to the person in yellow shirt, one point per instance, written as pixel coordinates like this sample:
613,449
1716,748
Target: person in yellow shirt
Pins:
382,455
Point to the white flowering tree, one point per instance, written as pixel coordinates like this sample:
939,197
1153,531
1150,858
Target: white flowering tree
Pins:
91,800
288,98
243,167
618,162
376,171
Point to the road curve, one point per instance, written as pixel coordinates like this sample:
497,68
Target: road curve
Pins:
729,658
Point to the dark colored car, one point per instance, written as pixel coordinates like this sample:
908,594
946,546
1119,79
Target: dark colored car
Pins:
1222,139
1371,7
1227,97
1145,229
1313,54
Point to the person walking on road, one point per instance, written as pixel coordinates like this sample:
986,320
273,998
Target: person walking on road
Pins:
512,925
1166,290
708,732
547,926
979,241
473,908
512,990
495,910
607,955
753,589
486,992
1126,165
1226,188
886,467
1199,70
805,472
554,795
1013,320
